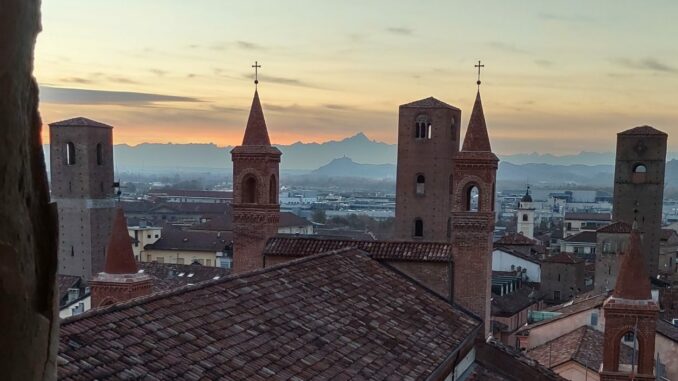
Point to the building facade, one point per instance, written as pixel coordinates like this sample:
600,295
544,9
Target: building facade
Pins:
82,185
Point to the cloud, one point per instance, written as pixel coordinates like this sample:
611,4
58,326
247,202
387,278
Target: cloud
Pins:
511,48
76,80
650,64
65,95
125,80
249,45
544,63
158,72
226,109
403,31
336,107
564,18
282,81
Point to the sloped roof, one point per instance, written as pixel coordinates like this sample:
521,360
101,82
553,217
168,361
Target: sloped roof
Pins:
167,276
616,227
666,234
477,139
642,130
633,280
514,302
518,254
564,258
338,315
588,216
79,122
583,345
301,246
585,236
429,102
256,133
513,239
191,193
667,329
568,309
176,239
66,282
119,254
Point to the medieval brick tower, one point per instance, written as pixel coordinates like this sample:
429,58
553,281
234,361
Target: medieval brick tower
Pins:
428,139
256,210
473,189
81,170
120,279
639,186
630,310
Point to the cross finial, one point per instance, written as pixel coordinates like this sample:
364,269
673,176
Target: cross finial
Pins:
256,67
479,65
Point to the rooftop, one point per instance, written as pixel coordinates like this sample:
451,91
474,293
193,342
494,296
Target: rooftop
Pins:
588,216
615,227
585,236
429,102
514,302
79,122
191,193
642,130
167,276
176,239
300,246
515,239
338,315
568,309
564,258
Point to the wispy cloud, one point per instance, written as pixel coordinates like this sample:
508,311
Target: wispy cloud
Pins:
158,72
649,64
564,18
511,48
403,31
65,95
544,63
249,45
76,80
118,79
283,81
338,107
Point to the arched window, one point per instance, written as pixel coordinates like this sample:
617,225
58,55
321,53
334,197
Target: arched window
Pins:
249,190
70,153
273,191
628,357
100,154
525,218
453,129
422,127
639,173
472,198
418,228
421,182
429,131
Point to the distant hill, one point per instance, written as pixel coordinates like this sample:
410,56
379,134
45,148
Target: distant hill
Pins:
345,167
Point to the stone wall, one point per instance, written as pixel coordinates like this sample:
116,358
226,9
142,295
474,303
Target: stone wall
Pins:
28,233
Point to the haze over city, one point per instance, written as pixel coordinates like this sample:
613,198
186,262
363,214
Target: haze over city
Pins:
331,70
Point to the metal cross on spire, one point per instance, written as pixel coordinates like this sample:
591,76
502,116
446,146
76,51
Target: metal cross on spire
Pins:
479,65
256,67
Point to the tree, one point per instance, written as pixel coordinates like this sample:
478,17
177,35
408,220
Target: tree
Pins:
319,216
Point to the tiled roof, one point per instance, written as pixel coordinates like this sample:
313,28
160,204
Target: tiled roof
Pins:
346,234
79,122
512,303
583,345
615,227
498,359
192,207
568,309
224,222
515,239
338,315
175,239
288,219
519,254
667,233
191,193
633,280
564,258
588,216
65,282
667,329
478,372
256,133
477,139
167,276
300,246
586,237
119,254
642,130
429,102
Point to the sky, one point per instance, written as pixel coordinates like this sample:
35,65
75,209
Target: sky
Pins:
560,76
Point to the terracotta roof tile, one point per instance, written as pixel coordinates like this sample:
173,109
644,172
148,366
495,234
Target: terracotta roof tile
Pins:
515,239
565,258
64,283
615,227
300,246
167,276
338,315
119,254
633,280
429,102
256,133
586,236
176,239
588,216
477,139
79,122
514,302
642,130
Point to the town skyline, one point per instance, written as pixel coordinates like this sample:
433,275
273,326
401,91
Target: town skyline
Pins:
326,78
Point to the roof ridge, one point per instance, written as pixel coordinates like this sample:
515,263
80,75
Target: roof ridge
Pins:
198,286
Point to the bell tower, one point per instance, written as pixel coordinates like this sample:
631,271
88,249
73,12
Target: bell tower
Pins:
525,215
256,210
475,168
630,311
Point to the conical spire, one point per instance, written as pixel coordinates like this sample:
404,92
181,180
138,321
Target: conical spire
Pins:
119,255
476,139
633,281
256,133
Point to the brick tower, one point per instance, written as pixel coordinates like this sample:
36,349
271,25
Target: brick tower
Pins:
428,139
630,310
256,210
120,280
639,186
475,168
525,215
81,171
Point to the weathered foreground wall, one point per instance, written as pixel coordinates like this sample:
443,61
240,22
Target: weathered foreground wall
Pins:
28,237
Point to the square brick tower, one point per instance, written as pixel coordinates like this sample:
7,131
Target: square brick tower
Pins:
428,139
630,310
473,190
639,186
256,210
81,171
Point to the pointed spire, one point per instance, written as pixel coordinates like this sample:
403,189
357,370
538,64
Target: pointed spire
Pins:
119,255
633,281
256,133
476,138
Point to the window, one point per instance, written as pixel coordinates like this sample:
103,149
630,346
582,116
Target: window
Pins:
640,168
556,295
525,218
639,173
157,236
594,319
70,153
208,262
422,127
449,227
421,181
429,131
273,191
249,190
558,277
148,236
72,252
418,227
160,259
100,154
453,130
472,199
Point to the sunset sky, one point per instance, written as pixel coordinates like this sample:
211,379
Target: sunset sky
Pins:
560,77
